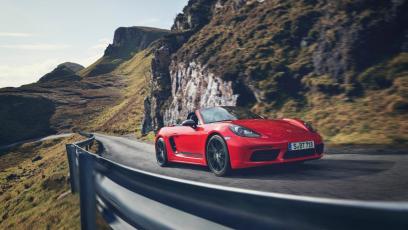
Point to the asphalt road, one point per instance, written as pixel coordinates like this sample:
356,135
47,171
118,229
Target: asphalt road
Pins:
357,172
5,147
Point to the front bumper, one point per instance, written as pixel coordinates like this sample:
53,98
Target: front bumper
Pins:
252,152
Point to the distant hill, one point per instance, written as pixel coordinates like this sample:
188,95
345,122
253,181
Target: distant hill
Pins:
70,97
127,42
64,72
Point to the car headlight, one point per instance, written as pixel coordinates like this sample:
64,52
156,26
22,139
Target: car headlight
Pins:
243,132
310,127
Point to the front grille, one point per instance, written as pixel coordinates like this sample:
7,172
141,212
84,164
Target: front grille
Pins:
319,149
265,155
299,153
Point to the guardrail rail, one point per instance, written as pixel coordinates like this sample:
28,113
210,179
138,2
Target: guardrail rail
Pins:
132,198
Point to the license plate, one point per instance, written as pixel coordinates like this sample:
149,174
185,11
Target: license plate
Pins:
301,145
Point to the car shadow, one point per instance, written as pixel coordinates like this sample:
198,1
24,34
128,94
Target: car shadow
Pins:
188,166
323,169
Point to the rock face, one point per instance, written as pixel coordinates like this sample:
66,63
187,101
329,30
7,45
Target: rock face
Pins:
160,81
262,54
368,34
64,72
128,40
195,15
194,86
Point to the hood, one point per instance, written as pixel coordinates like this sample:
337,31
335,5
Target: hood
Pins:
273,128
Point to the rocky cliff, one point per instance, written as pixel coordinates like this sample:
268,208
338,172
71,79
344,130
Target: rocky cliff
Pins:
194,16
127,41
280,58
130,40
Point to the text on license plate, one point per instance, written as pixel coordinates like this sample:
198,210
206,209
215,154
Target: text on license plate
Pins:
301,145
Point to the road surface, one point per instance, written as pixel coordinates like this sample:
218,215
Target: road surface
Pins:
5,147
360,173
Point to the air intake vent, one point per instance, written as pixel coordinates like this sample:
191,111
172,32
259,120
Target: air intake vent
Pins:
299,153
265,155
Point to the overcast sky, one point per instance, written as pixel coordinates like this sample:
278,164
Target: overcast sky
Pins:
36,36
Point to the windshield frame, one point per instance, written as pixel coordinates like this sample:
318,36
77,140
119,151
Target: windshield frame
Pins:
201,117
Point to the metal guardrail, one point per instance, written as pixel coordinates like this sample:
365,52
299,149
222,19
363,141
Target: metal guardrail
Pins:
131,198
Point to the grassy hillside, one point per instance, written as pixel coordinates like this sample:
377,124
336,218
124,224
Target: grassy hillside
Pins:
126,116
33,193
341,65
127,42
22,118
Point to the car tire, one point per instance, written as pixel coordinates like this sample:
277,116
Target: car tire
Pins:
161,153
217,156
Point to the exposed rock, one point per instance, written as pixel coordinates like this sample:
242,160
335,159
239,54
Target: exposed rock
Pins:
36,158
160,81
53,182
193,87
11,176
266,53
128,40
195,15
368,34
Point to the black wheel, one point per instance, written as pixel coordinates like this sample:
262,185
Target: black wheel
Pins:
161,153
218,159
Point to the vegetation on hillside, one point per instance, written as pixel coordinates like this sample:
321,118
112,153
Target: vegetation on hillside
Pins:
35,192
126,116
317,60
21,118
341,65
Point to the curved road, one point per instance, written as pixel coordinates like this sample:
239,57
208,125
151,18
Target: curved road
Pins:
346,172
51,137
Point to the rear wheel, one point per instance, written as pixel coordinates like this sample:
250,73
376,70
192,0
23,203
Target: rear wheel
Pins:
218,159
161,153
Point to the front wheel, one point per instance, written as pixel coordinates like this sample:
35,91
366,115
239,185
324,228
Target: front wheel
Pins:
161,153
218,159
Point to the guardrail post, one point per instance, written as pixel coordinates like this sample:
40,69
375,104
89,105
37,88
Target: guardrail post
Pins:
73,169
87,193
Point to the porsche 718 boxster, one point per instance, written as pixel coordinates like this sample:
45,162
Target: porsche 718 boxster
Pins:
226,137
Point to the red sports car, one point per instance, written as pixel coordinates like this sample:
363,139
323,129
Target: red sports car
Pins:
226,137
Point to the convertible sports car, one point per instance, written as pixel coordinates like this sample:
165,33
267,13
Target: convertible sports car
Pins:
226,137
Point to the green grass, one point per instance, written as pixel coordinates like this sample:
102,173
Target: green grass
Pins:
34,198
36,195
366,120
126,116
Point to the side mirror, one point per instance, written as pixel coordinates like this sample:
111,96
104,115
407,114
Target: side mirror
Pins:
190,123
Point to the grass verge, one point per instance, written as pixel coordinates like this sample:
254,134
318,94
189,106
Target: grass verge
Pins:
35,191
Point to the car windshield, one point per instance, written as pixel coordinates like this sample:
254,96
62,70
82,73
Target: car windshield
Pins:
226,113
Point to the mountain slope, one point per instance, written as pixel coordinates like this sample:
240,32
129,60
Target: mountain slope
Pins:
72,97
64,72
126,116
127,42
342,65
